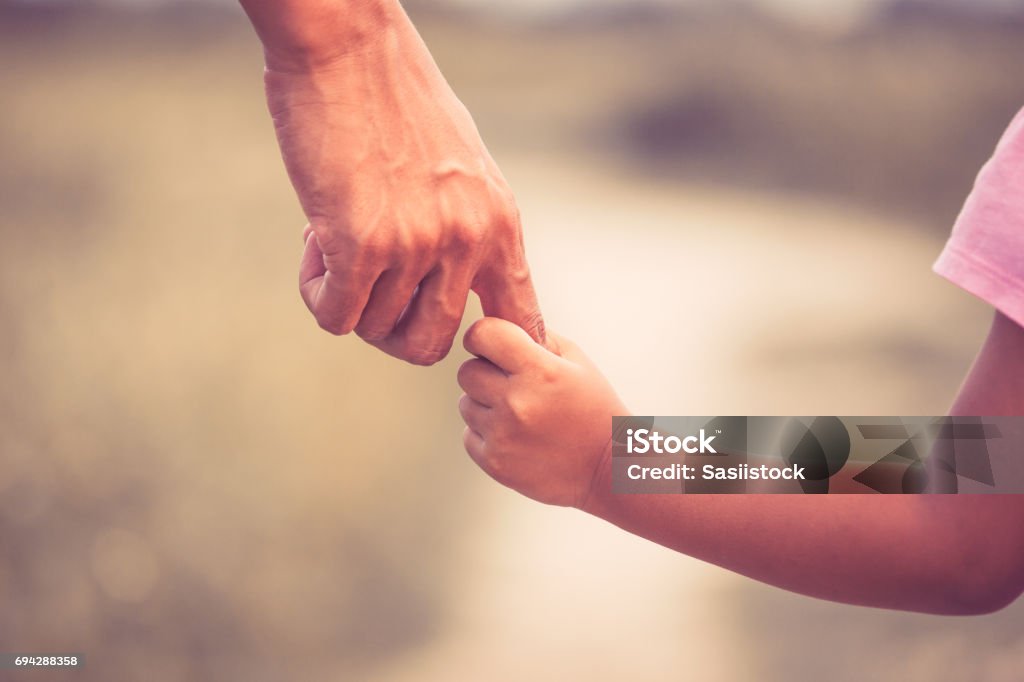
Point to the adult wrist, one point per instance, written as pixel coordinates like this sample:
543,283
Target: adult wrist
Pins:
297,39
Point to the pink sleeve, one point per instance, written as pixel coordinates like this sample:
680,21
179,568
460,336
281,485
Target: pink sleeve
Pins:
985,253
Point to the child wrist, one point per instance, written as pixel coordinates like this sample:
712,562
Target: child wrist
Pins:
595,496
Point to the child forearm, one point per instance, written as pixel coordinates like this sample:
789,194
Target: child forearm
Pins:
995,384
939,554
537,422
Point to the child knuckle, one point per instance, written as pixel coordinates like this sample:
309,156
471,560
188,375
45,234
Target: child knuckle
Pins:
547,375
464,376
520,409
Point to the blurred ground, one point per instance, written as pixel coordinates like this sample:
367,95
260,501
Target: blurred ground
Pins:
196,483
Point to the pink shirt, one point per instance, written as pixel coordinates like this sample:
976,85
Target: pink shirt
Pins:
985,253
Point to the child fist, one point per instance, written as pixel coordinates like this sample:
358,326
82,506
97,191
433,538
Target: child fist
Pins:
537,422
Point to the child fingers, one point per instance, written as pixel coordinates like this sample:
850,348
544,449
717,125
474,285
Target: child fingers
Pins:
474,444
503,343
482,381
476,415
568,350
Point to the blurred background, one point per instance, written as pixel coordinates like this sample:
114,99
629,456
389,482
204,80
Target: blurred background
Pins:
732,206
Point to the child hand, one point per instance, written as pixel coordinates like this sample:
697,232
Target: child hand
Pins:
538,422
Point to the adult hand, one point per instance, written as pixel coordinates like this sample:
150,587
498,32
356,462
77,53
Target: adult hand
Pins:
407,210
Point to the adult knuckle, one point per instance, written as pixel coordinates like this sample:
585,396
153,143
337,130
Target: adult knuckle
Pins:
506,220
450,316
406,241
372,247
533,323
425,356
519,270
420,240
447,308
328,239
332,324
509,209
467,235
373,332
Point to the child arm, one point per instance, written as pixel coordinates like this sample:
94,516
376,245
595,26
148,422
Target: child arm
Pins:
539,423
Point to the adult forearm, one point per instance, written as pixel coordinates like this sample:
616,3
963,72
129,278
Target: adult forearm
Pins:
407,211
302,34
